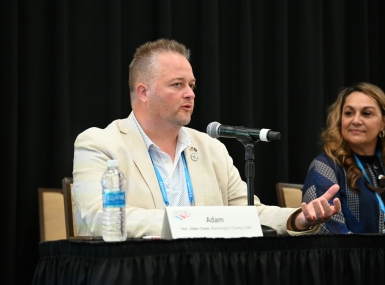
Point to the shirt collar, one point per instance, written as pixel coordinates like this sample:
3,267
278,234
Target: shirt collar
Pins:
182,142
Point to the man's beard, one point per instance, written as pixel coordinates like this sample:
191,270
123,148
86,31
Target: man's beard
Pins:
180,120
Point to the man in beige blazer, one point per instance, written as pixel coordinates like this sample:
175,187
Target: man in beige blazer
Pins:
161,87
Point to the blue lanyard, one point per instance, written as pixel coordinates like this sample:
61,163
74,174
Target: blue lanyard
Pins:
380,202
163,188
188,181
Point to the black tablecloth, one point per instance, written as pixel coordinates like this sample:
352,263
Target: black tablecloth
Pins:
333,259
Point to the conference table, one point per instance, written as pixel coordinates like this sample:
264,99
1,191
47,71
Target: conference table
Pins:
319,259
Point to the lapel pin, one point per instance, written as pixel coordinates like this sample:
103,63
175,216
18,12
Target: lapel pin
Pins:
194,156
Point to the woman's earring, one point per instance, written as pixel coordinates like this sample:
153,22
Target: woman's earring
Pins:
382,134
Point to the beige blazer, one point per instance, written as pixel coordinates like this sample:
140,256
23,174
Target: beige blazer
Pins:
216,182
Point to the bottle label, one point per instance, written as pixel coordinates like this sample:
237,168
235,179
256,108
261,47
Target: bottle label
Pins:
115,199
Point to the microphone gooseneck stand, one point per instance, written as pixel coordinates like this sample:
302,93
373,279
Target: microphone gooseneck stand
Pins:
248,137
249,144
249,171
247,140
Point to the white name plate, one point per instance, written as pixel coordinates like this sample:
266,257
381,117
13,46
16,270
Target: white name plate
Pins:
211,222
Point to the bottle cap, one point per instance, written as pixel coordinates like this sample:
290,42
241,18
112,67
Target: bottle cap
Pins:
112,163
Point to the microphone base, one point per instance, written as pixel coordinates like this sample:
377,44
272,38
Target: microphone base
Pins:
267,231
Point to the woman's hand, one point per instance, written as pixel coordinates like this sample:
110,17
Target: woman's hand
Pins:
318,211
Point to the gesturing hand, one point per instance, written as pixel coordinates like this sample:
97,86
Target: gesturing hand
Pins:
318,211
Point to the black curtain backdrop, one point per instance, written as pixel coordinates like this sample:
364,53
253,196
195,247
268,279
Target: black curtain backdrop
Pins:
262,64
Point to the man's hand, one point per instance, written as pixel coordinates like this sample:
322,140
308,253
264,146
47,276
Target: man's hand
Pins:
318,211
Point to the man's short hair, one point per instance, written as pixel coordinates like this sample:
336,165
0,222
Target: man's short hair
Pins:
143,66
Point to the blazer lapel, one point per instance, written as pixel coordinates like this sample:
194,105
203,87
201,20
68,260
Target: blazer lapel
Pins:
194,165
141,158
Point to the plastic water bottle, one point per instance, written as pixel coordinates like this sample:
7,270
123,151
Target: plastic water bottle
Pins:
114,203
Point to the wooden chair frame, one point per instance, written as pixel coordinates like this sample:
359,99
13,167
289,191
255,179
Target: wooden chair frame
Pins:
66,184
279,189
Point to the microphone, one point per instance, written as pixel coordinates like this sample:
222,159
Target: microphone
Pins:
216,130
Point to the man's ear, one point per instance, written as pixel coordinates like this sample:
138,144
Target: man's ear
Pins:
142,91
